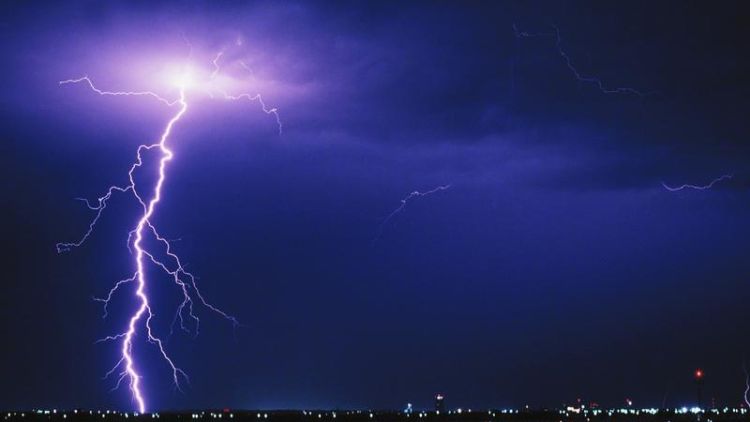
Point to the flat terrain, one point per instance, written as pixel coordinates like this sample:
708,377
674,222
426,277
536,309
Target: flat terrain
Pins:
716,415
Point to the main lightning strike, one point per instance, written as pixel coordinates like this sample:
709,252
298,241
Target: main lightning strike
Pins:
184,280
143,311
697,187
415,194
569,64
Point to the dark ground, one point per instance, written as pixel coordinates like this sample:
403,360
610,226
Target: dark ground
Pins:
721,415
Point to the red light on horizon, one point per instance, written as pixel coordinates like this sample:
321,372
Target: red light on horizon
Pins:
699,374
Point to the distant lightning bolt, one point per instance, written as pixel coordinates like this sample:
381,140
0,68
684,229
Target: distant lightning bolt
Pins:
171,265
747,385
697,187
569,63
415,194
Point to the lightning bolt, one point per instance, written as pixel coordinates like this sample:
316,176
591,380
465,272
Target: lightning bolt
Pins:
747,385
409,197
257,97
87,80
246,96
171,264
569,63
697,187
215,62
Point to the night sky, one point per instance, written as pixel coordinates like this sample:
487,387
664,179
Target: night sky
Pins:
555,267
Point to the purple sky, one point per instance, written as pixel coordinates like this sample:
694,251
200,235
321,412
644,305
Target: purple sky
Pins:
555,267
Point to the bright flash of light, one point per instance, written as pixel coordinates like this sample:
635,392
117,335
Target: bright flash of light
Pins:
697,187
184,80
413,195
148,197
569,64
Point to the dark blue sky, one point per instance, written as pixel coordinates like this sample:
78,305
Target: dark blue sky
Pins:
555,267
